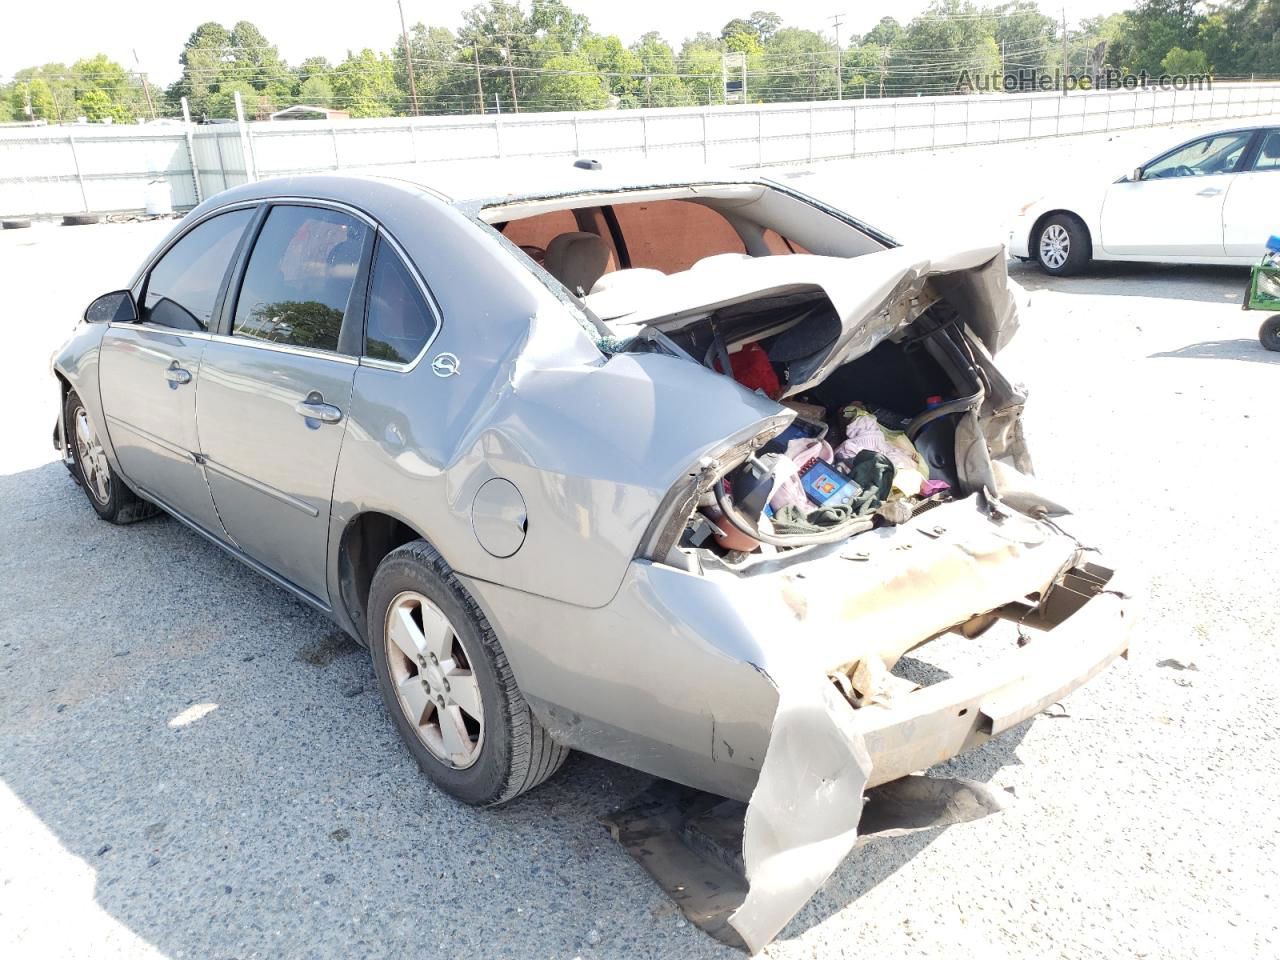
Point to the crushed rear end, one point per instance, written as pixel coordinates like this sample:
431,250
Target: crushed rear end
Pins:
834,611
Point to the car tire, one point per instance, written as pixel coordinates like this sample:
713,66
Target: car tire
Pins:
425,630
17,223
1269,333
1061,245
80,219
108,495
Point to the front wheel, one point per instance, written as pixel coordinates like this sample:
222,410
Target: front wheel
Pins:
1062,245
447,684
1269,333
107,493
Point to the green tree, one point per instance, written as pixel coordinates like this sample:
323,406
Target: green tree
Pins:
570,83
104,91
439,76
1025,37
662,88
500,37
1241,38
1152,29
621,70
315,91
1178,61
938,47
216,60
364,84
702,66
802,66
885,33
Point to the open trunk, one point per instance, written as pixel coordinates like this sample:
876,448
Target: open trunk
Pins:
897,342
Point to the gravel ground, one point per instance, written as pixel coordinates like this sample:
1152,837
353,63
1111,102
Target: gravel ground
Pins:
192,764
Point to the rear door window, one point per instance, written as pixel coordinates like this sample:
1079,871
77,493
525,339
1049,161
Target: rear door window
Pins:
300,277
673,235
1269,153
399,322
183,286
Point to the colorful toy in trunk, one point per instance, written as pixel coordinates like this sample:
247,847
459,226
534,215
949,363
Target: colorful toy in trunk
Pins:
1264,293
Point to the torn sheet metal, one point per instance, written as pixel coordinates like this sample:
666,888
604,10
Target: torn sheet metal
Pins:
873,295
691,843
803,816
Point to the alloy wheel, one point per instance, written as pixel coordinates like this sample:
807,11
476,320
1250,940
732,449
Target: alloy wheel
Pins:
1055,246
435,686
93,459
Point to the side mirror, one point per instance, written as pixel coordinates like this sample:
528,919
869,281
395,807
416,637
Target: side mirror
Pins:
114,307
1136,175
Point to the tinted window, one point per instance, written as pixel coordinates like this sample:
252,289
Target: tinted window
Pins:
300,277
184,284
1269,155
400,323
672,235
1217,154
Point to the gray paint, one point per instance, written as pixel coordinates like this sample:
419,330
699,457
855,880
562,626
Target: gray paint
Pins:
702,679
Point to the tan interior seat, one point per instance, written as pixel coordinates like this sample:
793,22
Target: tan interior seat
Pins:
578,260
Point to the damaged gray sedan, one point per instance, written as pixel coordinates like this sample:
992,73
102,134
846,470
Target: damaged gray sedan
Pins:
669,470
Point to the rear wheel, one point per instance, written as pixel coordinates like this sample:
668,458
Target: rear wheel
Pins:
1269,333
1062,245
108,495
447,684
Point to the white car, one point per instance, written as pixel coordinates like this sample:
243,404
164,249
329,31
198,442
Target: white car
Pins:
1214,199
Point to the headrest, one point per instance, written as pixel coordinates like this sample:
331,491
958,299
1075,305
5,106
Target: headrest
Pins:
577,260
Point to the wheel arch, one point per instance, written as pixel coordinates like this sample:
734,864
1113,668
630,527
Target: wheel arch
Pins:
365,540
1033,236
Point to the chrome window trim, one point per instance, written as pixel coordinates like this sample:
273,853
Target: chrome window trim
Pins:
290,348
427,295
238,341
158,328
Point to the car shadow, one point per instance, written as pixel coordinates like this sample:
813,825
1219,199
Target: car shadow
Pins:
1207,284
1241,349
218,755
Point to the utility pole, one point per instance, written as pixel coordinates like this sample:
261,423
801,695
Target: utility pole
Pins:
146,87
475,50
1063,78
515,103
408,60
839,59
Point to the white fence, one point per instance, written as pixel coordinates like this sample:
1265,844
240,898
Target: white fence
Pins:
49,171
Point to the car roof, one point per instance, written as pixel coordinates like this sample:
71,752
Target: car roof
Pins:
486,182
